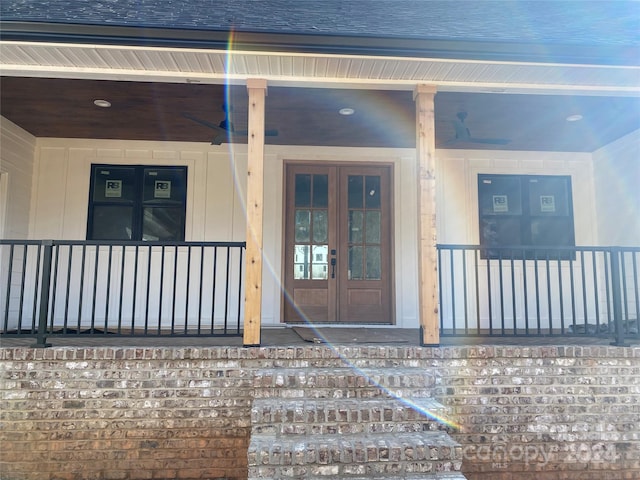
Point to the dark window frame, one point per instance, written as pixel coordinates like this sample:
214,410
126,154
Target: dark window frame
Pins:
526,213
130,194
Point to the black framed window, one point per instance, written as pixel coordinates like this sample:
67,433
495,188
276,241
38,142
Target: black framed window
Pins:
525,210
137,202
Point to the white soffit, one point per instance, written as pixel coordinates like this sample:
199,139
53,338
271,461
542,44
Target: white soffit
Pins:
153,64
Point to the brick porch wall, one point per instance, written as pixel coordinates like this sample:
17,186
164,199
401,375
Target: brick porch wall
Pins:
548,413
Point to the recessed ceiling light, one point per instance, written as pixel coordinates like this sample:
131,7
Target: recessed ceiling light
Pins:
346,111
574,118
102,103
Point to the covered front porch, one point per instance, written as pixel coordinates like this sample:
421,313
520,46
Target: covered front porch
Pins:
475,163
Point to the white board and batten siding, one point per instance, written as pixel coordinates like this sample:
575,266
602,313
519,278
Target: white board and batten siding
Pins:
217,189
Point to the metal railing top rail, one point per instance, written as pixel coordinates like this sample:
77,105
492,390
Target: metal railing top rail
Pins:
543,248
121,243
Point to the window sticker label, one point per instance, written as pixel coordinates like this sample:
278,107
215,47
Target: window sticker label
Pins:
500,204
113,189
162,189
547,203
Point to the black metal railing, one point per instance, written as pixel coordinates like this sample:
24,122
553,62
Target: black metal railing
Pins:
50,288
528,291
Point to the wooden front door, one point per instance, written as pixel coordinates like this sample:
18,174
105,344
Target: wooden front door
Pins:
338,244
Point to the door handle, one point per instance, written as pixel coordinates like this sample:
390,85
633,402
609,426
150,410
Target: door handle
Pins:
333,268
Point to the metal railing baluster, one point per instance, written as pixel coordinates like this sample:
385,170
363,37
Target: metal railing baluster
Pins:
541,291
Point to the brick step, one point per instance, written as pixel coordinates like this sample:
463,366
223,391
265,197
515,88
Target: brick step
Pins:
343,382
351,456
419,476
278,417
325,474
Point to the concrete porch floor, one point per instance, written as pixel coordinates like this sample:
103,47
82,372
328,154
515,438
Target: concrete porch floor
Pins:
286,336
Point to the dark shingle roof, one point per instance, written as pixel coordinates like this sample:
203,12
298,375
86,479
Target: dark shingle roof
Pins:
602,23
556,31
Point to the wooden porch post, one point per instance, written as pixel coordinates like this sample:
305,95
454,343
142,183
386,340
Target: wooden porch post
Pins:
427,264
255,185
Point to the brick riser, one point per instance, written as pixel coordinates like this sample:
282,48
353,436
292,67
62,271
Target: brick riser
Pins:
275,416
349,424
343,383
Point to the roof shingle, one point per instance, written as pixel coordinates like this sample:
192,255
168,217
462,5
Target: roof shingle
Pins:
566,22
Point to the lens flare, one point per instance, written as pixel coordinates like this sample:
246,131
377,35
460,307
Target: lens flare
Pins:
375,117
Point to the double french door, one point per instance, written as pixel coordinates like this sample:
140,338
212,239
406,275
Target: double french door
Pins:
338,244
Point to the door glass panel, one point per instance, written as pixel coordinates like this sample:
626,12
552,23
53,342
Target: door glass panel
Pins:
302,262
355,263
355,189
321,191
319,269
303,190
372,192
373,263
320,226
373,227
355,226
302,225
364,224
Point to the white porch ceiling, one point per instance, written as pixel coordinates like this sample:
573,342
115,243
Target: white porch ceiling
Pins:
188,65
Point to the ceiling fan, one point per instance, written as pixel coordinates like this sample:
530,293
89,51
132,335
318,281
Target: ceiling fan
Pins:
464,136
225,127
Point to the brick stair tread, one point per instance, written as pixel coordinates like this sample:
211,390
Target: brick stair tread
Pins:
421,403
426,446
422,476
347,371
342,382
389,476
348,415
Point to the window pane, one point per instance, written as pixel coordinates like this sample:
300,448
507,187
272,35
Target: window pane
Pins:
372,191
111,222
355,263
320,226
301,262
549,196
162,224
373,227
373,263
499,195
503,231
319,269
355,189
164,185
114,184
320,191
303,225
303,190
551,231
355,226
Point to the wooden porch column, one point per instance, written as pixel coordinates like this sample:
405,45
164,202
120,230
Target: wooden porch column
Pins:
427,263
255,207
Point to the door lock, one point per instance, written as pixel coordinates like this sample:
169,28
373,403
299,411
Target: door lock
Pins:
333,267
